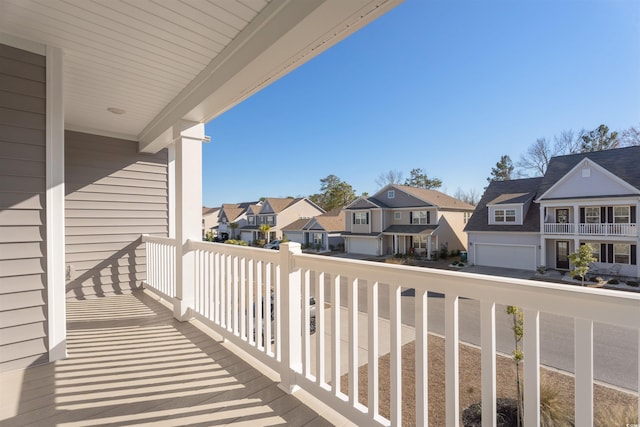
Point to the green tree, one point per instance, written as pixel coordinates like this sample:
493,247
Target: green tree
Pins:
334,193
419,179
264,229
502,171
599,139
581,260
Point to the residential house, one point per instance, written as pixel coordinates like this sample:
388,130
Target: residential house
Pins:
403,219
322,232
210,221
583,199
277,213
232,217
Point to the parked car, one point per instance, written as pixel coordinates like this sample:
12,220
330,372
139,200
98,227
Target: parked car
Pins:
312,316
275,244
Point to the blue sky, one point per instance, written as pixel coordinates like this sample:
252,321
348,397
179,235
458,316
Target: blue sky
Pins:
446,86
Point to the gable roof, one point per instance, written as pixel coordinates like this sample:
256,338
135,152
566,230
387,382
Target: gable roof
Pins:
297,225
208,211
234,210
365,203
436,198
330,221
522,190
622,162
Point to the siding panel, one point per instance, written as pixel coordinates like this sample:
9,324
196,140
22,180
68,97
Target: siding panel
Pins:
113,195
22,209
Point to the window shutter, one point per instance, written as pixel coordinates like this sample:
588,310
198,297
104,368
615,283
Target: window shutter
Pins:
410,217
582,216
632,214
610,214
367,216
634,257
610,253
354,218
428,217
603,214
603,252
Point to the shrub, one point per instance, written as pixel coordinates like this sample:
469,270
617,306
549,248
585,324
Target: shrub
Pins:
444,252
237,242
541,269
616,415
633,283
506,413
613,281
594,279
553,411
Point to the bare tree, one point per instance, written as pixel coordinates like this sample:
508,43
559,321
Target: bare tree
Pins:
471,196
568,142
390,177
537,157
630,137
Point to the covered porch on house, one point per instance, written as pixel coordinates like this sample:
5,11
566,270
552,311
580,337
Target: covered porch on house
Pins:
130,362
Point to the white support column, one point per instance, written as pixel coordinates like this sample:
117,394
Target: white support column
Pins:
56,307
584,372
531,349
171,172
576,219
488,362
451,356
290,298
188,213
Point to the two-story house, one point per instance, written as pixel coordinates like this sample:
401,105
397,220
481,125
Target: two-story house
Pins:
232,217
402,219
276,213
583,199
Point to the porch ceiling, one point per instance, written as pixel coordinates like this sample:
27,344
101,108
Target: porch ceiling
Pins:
166,61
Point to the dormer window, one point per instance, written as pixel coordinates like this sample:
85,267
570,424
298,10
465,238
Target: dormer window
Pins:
391,194
504,215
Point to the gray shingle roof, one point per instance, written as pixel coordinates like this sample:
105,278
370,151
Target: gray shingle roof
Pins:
410,229
479,221
622,162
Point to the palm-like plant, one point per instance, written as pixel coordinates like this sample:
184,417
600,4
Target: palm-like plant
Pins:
233,226
265,228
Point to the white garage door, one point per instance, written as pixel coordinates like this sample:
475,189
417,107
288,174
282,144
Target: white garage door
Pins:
363,246
506,256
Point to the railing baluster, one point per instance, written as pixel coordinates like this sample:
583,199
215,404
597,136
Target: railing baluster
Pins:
243,298
251,302
451,354
320,332
584,372
488,354
259,307
421,359
372,381
335,335
268,310
395,353
352,302
531,349
306,323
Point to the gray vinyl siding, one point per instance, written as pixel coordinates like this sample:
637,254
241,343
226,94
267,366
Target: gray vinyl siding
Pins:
23,281
113,195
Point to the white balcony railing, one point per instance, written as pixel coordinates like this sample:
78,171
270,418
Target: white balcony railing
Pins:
232,280
598,229
161,265
559,228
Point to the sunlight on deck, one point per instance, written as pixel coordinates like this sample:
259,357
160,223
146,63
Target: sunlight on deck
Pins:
131,363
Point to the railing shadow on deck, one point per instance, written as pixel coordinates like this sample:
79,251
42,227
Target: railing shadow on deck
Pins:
131,363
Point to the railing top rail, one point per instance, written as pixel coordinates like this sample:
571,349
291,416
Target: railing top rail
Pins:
601,305
158,239
260,254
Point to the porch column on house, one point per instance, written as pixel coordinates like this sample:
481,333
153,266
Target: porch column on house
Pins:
543,251
576,219
188,139
429,246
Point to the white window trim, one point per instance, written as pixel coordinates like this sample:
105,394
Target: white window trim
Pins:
391,194
627,215
397,216
419,217
360,221
627,253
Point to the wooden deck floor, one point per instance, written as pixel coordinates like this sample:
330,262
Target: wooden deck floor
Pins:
131,363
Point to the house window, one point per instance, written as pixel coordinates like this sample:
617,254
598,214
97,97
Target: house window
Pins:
397,216
562,216
595,250
391,194
420,242
592,215
505,215
251,219
361,218
621,214
467,215
270,220
317,238
419,217
621,253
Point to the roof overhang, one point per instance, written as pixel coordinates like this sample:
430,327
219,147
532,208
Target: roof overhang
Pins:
166,64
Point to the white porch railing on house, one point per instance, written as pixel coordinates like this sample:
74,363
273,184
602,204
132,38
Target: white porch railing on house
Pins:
161,265
232,280
585,229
